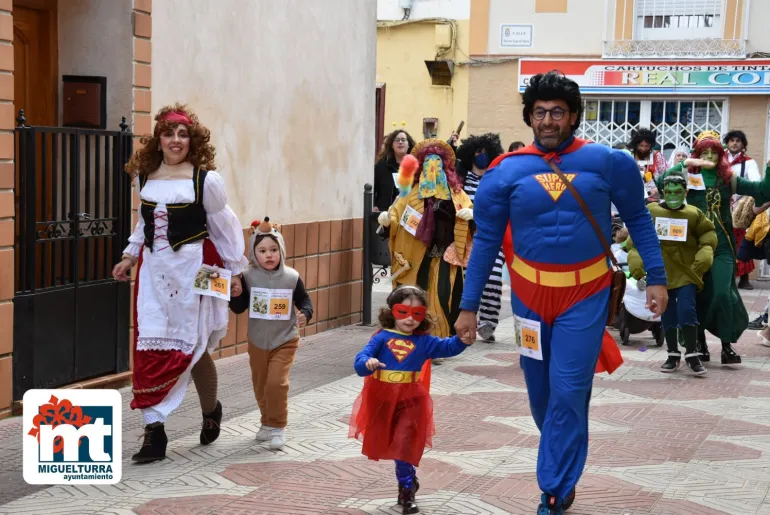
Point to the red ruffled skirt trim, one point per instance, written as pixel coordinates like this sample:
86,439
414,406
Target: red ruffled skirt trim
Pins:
394,421
155,371
744,267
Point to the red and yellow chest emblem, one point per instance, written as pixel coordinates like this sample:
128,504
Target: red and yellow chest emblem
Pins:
552,184
400,348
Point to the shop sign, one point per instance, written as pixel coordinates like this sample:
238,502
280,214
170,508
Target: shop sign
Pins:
726,77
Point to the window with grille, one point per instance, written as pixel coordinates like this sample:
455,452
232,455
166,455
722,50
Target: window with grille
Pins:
676,122
679,19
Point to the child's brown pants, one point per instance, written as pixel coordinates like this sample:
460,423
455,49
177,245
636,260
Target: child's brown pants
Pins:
270,376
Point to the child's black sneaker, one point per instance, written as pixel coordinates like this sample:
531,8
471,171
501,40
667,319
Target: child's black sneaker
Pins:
693,361
672,363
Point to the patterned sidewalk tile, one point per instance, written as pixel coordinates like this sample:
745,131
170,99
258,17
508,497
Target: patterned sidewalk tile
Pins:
659,444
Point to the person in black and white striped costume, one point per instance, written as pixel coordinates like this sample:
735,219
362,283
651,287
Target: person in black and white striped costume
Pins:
474,156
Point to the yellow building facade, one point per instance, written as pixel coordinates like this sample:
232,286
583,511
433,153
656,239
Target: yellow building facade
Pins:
422,66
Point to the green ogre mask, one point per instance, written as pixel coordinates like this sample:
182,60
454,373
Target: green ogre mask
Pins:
674,191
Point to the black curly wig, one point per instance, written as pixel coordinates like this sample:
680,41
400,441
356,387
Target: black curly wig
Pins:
489,142
639,135
552,86
736,134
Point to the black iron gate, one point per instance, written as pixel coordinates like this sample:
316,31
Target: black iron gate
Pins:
73,218
376,258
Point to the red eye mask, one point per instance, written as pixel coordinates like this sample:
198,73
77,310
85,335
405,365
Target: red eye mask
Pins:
402,311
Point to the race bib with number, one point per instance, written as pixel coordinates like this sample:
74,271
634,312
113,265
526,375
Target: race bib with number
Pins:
212,282
695,181
410,220
270,304
671,229
528,337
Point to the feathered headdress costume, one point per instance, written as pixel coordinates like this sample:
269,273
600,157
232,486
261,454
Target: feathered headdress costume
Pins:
409,171
406,171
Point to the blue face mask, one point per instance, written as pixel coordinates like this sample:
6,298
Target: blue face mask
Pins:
481,161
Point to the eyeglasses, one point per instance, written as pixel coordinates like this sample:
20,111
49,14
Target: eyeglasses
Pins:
557,113
402,311
400,140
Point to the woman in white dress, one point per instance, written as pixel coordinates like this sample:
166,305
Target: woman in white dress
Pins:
185,222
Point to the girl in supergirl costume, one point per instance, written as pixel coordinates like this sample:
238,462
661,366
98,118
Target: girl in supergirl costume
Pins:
394,412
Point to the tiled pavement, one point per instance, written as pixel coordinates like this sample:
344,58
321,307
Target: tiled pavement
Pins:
659,444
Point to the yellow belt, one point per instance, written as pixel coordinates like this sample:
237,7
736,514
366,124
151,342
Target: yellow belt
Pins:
560,279
396,376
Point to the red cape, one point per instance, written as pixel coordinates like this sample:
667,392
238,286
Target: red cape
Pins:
532,150
610,357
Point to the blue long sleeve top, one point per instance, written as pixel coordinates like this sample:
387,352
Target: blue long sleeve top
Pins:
547,223
405,352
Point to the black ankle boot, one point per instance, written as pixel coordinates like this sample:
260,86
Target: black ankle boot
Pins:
729,356
211,422
406,499
154,445
416,484
744,283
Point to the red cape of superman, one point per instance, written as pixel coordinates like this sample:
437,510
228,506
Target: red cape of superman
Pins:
610,357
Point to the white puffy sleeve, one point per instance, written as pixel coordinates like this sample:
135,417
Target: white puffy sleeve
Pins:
136,240
225,230
752,171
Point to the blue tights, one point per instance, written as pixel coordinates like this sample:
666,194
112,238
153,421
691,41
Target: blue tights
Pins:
405,473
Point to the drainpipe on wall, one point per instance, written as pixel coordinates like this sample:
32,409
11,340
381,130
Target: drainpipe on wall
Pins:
745,25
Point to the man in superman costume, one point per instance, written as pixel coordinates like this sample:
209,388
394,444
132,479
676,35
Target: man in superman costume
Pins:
560,276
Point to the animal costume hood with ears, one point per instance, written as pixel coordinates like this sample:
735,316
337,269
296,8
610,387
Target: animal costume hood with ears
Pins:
266,228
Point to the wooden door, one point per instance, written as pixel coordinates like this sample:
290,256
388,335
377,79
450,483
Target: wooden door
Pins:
35,52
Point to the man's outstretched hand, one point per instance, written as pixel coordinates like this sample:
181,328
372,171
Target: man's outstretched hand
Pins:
657,299
466,327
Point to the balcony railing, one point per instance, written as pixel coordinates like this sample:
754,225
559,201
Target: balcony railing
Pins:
676,28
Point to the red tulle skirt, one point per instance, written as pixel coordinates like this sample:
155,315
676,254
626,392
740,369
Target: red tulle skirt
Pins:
394,421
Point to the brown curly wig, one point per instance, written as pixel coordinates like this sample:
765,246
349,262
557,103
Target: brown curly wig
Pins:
148,158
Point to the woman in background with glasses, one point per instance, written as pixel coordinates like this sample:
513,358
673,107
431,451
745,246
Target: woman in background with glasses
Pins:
397,144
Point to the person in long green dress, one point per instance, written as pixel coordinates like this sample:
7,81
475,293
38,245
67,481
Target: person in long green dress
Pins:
711,185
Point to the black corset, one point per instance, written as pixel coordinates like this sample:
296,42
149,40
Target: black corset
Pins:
186,222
